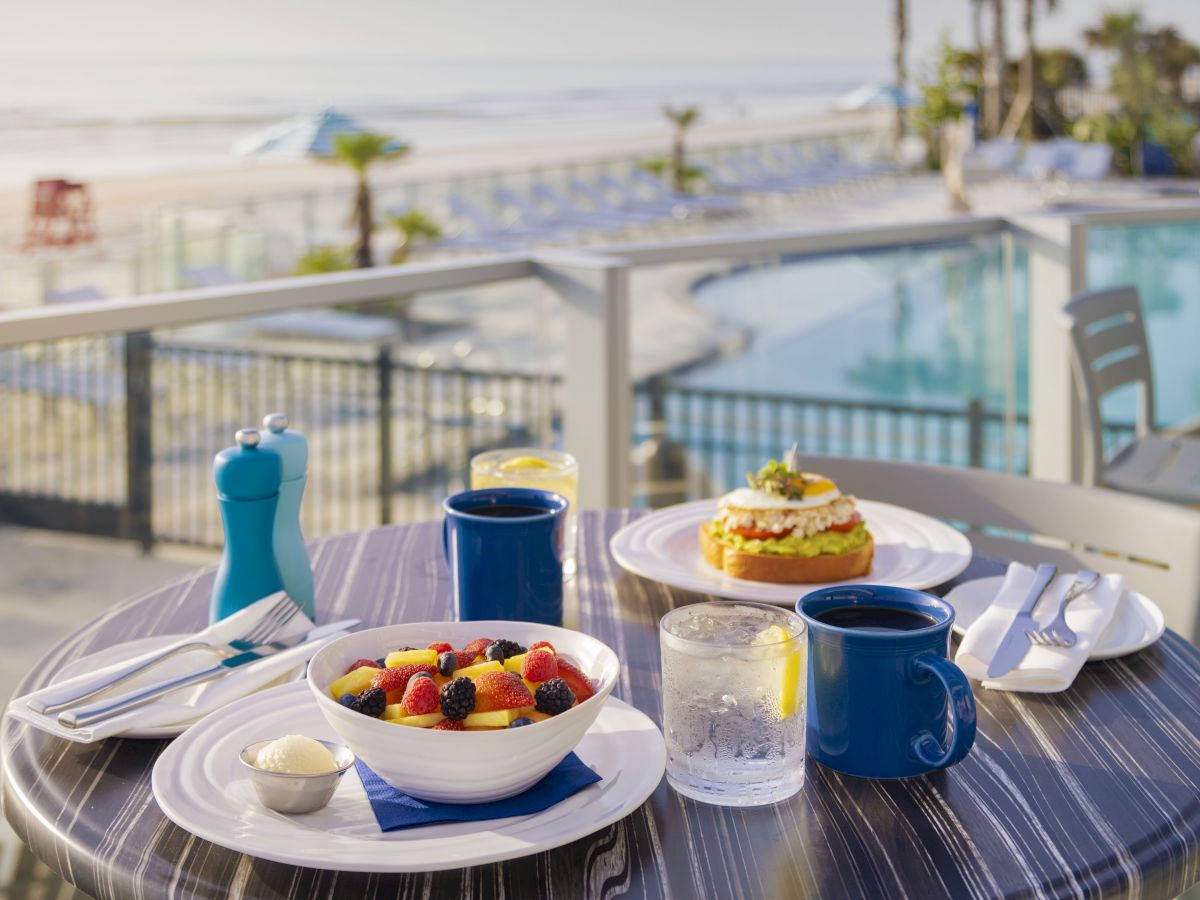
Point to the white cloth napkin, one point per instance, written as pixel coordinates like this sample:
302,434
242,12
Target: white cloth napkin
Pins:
186,705
1044,670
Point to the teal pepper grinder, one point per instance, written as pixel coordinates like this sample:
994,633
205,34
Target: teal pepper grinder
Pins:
248,478
290,555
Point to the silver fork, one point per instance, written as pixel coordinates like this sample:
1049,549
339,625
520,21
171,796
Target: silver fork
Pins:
1058,633
278,615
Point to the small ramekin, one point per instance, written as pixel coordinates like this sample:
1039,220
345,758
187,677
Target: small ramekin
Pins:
295,794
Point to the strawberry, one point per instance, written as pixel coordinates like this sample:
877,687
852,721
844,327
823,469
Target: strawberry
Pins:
477,646
580,684
440,647
395,680
420,697
540,665
465,658
549,646
359,663
501,690
449,725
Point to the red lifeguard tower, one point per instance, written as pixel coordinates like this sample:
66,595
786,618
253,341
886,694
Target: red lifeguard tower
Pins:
61,215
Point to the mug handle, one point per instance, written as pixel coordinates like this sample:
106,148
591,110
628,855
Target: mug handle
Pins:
962,709
446,539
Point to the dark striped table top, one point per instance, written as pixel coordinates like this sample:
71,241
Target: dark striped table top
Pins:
1091,792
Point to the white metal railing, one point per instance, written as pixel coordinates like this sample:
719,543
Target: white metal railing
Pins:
594,285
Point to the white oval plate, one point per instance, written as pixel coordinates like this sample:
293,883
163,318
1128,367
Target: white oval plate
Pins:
912,550
201,786
128,650
1136,623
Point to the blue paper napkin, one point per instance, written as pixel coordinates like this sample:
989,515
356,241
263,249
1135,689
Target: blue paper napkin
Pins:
395,809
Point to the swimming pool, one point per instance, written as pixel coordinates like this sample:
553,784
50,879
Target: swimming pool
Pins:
942,325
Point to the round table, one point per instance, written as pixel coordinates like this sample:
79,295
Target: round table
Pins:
1094,791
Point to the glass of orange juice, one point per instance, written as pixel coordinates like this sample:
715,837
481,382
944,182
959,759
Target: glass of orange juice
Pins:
532,467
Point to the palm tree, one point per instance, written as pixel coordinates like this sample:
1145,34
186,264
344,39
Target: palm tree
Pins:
1173,55
993,77
683,118
360,151
1020,116
1133,76
414,226
901,27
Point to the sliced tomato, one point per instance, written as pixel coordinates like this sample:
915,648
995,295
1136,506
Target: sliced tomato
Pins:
754,534
846,526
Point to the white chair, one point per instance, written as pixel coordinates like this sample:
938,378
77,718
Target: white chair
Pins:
1154,546
1109,351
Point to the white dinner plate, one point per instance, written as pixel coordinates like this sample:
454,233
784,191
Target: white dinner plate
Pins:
201,786
177,666
1136,623
912,550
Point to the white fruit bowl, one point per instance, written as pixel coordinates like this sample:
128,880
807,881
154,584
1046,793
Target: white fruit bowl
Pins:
460,766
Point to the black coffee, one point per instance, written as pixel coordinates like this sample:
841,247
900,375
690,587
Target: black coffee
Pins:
506,511
875,618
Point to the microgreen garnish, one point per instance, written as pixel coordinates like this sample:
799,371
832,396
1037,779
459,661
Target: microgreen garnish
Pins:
777,479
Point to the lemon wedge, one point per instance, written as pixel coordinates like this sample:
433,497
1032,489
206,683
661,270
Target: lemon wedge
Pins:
789,677
523,464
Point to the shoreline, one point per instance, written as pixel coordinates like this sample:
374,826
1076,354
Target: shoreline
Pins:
122,202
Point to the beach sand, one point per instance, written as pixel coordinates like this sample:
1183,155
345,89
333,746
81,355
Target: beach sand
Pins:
122,203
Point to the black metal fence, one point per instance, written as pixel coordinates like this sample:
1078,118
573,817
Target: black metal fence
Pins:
116,436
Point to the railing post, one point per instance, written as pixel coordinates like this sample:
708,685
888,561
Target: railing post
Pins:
139,446
597,393
383,370
1057,249
975,433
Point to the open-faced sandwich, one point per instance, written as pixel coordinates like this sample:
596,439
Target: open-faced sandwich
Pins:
790,527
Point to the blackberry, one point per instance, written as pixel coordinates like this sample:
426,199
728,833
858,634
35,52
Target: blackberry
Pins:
518,722
499,651
349,701
447,663
553,697
458,698
372,702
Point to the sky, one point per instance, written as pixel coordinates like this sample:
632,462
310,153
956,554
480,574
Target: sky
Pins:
479,30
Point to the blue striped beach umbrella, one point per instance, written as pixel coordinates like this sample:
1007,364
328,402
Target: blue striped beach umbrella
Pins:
307,135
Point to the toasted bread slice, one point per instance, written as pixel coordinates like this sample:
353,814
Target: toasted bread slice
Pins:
785,569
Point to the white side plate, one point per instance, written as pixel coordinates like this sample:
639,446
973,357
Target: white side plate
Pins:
200,785
1136,623
912,550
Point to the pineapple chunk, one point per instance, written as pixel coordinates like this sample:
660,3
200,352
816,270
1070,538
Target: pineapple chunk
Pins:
497,718
514,663
532,685
353,682
426,721
477,670
409,657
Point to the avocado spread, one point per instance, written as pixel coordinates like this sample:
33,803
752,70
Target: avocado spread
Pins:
829,543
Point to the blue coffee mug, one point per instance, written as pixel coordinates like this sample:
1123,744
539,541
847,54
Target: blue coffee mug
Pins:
884,700
505,564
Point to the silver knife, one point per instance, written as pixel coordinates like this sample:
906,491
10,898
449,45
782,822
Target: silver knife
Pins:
1015,643
88,715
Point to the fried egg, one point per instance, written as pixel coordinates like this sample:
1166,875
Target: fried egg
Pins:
818,492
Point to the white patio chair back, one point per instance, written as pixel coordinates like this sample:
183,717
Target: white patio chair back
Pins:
1154,545
1109,351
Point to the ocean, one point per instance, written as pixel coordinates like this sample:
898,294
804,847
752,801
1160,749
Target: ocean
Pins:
94,119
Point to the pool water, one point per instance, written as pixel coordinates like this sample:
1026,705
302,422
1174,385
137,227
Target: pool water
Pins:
941,325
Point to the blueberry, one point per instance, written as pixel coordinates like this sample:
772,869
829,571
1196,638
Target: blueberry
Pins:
447,663
421,675
349,701
517,723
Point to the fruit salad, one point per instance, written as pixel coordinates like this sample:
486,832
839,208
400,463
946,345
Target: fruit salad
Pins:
487,685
